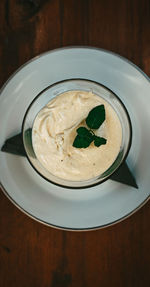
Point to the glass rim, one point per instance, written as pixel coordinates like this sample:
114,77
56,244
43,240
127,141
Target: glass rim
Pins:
99,178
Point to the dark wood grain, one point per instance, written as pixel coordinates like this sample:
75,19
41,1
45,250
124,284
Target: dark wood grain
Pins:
32,254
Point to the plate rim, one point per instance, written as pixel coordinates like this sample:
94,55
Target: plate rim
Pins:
73,228
3,188
67,48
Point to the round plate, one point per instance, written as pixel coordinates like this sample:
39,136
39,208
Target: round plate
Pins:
83,209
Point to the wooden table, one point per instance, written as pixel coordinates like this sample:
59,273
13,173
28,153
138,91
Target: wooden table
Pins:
34,255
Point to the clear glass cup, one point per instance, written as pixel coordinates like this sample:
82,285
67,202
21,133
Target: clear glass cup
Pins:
51,92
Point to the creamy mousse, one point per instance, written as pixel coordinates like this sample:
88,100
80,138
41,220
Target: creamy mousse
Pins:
54,131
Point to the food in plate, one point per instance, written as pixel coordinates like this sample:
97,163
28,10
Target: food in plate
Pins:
56,127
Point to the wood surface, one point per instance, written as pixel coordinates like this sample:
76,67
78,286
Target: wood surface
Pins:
34,255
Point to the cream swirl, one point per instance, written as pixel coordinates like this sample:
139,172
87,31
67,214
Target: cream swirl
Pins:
54,131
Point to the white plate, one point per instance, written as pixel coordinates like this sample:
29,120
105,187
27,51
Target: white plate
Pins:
89,208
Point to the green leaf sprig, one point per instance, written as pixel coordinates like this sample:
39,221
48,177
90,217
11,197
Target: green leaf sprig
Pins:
86,136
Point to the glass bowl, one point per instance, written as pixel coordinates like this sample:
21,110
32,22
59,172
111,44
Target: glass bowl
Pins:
51,92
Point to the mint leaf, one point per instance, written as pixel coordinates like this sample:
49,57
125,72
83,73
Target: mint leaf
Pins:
98,141
83,139
96,117
82,131
85,136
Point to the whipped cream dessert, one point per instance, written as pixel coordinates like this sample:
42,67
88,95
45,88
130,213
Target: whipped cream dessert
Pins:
54,131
